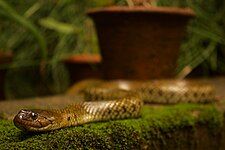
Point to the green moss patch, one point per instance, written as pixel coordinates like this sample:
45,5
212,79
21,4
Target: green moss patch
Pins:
172,126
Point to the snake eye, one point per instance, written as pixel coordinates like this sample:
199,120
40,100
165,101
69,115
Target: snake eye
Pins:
34,116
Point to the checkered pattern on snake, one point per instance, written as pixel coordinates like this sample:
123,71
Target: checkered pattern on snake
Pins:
114,100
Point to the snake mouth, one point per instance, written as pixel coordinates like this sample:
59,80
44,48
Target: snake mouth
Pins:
31,120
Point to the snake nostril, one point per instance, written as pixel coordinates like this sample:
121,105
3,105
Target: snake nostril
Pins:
20,116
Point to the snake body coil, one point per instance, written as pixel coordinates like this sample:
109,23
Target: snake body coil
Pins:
118,100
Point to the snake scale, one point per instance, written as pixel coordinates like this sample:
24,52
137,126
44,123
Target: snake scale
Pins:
110,100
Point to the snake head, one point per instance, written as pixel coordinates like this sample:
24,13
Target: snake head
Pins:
34,120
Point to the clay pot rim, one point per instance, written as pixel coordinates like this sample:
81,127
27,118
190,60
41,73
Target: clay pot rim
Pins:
140,9
6,57
83,58
6,54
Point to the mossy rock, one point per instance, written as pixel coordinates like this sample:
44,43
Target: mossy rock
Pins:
182,126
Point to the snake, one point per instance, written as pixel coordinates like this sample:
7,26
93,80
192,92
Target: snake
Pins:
112,100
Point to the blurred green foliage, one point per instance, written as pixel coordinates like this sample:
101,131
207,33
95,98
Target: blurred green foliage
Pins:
42,33
204,45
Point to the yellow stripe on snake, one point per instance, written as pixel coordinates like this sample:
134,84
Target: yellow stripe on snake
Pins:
110,100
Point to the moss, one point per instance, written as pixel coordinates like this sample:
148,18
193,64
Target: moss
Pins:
160,126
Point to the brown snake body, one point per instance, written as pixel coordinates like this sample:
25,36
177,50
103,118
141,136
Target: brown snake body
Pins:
114,100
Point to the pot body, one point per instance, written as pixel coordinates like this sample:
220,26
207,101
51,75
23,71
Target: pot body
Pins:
140,43
85,66
5,58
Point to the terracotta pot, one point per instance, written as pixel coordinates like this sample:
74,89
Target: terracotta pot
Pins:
5,57
84,66
140,42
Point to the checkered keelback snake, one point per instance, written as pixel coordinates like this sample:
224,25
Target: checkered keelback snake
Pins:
110,100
